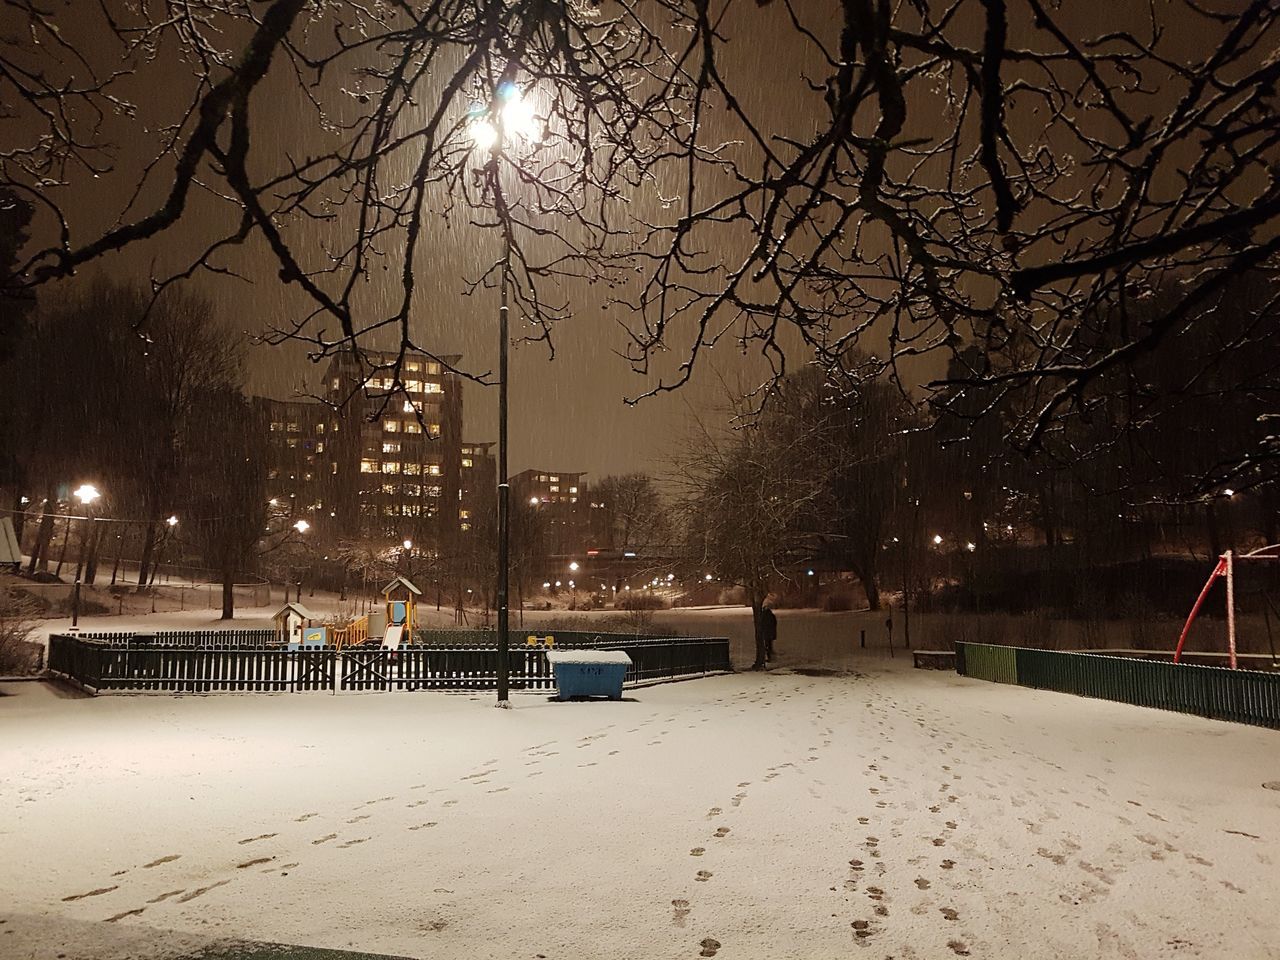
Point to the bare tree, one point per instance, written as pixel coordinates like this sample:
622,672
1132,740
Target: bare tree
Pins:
854,445
224,488
745,503
1009,172
627,511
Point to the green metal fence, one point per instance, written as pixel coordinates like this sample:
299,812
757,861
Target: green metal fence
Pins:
1242,696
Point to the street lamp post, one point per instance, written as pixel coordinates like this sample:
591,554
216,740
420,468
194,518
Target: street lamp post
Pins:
86,493
489,131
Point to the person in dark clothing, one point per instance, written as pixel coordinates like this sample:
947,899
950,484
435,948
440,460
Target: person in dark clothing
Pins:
768,630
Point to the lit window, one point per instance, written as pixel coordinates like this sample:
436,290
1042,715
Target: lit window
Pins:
391,510
555,488
412,426
542,477
412,366
391,466
413,468
276,426
369,509
367,466
466,450
291,443
433,429
391,489
391,448
465,527
319,446
432,368
554,479
433,469
334,426
413,386
333,468
464,514
573,489
431,491
319,428
412,490
391,426
293,426
466,462
336,383
573,499
430,387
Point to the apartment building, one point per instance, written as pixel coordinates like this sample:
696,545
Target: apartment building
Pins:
561,496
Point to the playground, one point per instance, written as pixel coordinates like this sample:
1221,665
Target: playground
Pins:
806,812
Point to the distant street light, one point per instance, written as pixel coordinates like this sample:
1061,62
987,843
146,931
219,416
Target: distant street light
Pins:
302,526
971,546
1228,492
172,521
573,566
408,544
937,539
86,493
534,501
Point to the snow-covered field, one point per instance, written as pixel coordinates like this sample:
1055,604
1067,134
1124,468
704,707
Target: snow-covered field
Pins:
890,813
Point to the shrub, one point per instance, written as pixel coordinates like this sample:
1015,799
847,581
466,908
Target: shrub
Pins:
637,600
18,654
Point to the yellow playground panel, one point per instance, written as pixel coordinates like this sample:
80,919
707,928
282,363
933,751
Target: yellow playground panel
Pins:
547,641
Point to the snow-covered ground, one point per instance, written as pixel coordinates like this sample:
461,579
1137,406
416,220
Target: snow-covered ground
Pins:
886,813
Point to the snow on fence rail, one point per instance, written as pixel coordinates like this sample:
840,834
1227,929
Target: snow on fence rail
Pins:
105,665
1242,696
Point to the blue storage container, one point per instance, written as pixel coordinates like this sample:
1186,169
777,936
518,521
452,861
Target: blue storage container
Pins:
589,673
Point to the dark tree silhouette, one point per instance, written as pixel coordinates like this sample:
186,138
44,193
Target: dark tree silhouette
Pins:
1016,174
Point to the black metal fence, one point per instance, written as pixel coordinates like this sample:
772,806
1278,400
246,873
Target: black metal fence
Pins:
212,639
1242,696
103,665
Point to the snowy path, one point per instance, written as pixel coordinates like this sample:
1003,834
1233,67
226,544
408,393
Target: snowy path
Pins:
892,814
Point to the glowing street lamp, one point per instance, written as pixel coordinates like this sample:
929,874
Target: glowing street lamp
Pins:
491,127
408,544
302,526
937,539
86,493
172,522
573,566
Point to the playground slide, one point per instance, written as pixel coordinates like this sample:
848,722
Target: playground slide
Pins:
394,635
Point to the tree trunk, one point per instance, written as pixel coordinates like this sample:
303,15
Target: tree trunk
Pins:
759,635
19,514
871,589
43,536
1213,530
96,532
148,551
62,554
228,594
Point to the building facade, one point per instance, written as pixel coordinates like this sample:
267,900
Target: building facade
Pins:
366,463
560,496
